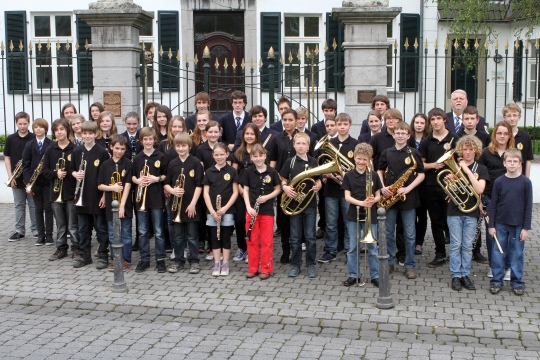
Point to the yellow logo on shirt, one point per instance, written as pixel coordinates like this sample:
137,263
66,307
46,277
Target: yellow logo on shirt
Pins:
69,157
124,173
476,176
267,179
520,146
350,154
407,160
96,162
227,177
446,146
192,173
157,164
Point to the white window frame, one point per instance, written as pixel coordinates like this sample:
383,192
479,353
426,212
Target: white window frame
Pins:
390,66
532,74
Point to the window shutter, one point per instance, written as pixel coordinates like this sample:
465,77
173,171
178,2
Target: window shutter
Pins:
17,67
335,59
408,65
518,72
85,74
270,37
168,38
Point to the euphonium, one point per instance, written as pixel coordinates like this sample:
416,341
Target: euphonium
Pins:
59,183
15,174
141,191
35,175
387,202
116,177
177,201
304,191
80,183
458,188
368,237
330,153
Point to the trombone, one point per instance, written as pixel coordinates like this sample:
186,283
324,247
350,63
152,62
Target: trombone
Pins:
15,174
141,190
177,201
368,235
35,175
116,178
59,183
80,183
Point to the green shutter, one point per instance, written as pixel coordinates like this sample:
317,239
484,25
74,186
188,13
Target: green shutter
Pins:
270,37
408,65
518,72
17,66
85,74
168,38
335,59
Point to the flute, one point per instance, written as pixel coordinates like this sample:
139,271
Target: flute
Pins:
218,207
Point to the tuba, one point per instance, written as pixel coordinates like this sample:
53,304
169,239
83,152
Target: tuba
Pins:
303,184
15,174
458,188
35,175
177,201
116,177
59,183
330,153
387,202
141,191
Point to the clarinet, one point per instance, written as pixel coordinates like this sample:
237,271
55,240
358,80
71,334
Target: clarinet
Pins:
256,208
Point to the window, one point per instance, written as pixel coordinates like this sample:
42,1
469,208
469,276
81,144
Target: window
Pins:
390,57
53,49
302,33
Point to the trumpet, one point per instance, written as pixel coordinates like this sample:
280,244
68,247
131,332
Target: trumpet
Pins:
35,175
15,174
80,183
141,190
116,178
331,153
218,207
177,201
59,183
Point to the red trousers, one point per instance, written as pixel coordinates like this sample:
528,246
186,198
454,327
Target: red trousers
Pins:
260,246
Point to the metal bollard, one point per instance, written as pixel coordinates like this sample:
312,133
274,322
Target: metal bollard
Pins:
384,300
119,285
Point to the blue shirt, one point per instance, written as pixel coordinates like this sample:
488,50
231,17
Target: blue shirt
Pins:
511,202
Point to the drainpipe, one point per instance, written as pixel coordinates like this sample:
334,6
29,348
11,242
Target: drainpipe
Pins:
421,57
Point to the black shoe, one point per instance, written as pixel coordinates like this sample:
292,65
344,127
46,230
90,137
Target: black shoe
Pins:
277,232
40,241
438,261
494,289
49,241
519,290
456,284
102,264
285,258
447,239
350,282
80,262
479,258
467,283
418,250
15,237
391,269
319,234
58,254
375,282
161,268
142,265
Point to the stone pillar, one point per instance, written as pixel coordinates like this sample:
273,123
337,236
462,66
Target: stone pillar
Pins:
365,46
116,54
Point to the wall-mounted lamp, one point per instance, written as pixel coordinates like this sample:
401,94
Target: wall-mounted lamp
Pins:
497,58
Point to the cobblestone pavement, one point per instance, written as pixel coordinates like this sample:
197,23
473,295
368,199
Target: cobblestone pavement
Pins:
51,310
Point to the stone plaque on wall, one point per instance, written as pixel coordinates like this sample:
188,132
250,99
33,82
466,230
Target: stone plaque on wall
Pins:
366,96
112,101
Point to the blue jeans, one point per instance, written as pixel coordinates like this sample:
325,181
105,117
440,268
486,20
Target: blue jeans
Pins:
462,231
305,223
125,237
408,218
332,207
183,231
352,258
513,251
144,238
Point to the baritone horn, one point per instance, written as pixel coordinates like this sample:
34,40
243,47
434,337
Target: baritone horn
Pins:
116,178
458,188
15,174
59,183
141,190
177,201
331,153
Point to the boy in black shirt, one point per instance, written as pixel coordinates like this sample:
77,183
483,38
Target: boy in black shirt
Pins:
13,150
148,174
470,121
33,156
185,217
114,180
304,222
62,187
512,114
89,201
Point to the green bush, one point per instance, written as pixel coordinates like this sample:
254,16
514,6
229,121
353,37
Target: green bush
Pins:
2,142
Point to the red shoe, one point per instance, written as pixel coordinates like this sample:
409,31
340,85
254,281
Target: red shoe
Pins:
265,276
251,275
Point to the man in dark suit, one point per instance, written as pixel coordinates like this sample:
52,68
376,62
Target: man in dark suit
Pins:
258,116
283,104
329,108
233,122
380,103
454,119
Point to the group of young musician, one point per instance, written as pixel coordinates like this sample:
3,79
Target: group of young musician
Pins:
191,183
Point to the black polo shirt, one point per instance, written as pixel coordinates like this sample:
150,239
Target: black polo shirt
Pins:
432,149
295,166
243,164
14,149
194,174
380,142
53,154
95,157
283,149
484,137
481,174
398,162
204,154
524,144
105,143
494,164
167,150
261,184
157,165
125,168
355,182
346,148
220,183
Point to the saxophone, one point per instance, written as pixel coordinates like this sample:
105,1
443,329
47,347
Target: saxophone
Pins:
387,202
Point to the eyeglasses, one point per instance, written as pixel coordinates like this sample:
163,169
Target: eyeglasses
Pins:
401,133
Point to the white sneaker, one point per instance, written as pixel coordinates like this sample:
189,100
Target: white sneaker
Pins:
246,258
217,268
240,254
209,256
303,247
172,257
490,274
507,275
